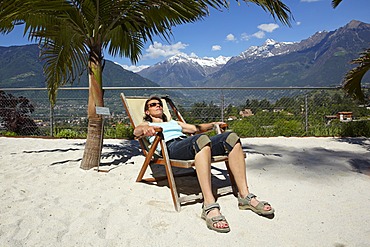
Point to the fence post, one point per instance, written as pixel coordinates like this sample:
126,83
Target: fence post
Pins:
306,113
51,120
222,105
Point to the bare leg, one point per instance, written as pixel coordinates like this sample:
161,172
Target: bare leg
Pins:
203,168
238,169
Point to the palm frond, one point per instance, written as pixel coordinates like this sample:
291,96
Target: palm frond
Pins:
335,3
276,8
352,81
65,56
9,16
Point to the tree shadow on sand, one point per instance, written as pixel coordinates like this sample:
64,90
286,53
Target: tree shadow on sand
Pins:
120,153
362,141
58,150
313,159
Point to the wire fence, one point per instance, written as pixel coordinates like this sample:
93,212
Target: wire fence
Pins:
248,111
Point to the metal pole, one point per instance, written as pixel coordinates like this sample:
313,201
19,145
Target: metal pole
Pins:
51,120
306,111
101,143
222,105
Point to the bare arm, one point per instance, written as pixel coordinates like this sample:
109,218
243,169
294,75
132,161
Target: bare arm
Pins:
199,128
144,129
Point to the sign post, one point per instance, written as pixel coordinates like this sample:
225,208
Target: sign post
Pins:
103,111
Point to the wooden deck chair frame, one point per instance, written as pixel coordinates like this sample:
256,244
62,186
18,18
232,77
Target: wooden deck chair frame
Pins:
134,107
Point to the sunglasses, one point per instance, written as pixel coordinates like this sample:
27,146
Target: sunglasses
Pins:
155,104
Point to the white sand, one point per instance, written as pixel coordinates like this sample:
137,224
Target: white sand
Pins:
318,187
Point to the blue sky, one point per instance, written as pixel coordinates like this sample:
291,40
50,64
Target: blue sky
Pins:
230,32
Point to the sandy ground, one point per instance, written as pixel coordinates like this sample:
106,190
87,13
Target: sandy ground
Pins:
319,187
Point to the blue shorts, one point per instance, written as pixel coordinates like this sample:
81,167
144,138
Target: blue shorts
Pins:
186,148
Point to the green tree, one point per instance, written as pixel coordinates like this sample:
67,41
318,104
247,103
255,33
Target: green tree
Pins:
74,33
231,111
253,105
265,104
201,112
353,78
285,102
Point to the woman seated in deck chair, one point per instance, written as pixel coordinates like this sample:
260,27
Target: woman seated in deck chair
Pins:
200,148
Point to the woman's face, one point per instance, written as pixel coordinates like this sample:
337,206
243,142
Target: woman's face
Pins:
155,108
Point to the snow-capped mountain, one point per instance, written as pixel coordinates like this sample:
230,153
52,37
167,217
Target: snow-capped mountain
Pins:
272,48
269,49
189,71
209,62
183,70
319,60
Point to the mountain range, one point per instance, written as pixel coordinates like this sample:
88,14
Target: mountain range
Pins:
320,60
20,66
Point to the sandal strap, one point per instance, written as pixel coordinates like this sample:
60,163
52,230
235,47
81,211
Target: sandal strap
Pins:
250,196
261,205
265,203
218,218
210,207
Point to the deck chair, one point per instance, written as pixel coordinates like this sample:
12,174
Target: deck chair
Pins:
134,107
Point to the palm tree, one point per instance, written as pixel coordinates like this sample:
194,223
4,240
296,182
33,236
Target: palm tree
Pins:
73,34
353,78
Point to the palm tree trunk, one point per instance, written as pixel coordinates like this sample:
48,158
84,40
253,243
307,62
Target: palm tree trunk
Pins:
94,141
91,156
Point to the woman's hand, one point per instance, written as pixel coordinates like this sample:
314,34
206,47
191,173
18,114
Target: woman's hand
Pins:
219,127
149,131
218,123
144,130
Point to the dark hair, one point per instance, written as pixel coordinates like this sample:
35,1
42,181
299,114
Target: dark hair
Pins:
146,107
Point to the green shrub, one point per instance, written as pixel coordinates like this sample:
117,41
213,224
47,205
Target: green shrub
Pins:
355,128
284,127
68,133
119,131
8,133
243,128
325,130
345,129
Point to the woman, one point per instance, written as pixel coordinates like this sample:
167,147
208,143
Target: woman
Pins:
201,148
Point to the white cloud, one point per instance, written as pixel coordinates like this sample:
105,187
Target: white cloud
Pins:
245,36
230,37
157,50
259,35
216,48
268,27
263,28
298,23
134,68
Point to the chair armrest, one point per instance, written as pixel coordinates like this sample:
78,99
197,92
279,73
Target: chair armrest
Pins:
220,128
